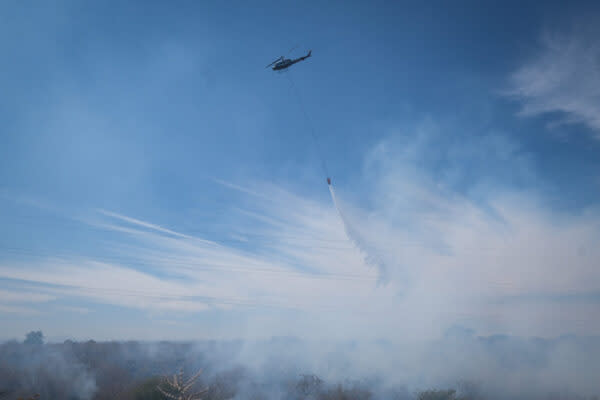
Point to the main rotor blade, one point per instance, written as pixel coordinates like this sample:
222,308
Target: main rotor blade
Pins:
274,62
292,49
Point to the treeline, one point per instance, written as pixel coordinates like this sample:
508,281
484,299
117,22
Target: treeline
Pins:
137,371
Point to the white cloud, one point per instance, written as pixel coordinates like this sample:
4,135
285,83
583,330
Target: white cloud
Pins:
563,77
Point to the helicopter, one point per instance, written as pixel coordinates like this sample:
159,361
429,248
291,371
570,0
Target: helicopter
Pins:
283,63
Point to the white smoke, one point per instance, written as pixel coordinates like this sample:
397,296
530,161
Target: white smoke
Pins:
358,241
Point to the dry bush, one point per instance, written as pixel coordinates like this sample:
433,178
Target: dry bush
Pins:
180,388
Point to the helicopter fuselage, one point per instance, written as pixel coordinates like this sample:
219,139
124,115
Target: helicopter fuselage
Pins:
286,62
283,64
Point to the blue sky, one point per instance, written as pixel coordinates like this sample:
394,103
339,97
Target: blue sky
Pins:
156,181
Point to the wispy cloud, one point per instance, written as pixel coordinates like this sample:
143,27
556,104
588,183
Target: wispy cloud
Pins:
167,270
73,309
563,77
24,297
11,309
138,222
22,301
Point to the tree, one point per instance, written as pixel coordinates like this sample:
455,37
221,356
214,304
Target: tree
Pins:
34,338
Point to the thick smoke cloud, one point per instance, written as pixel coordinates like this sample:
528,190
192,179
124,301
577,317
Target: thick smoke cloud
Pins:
52,371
